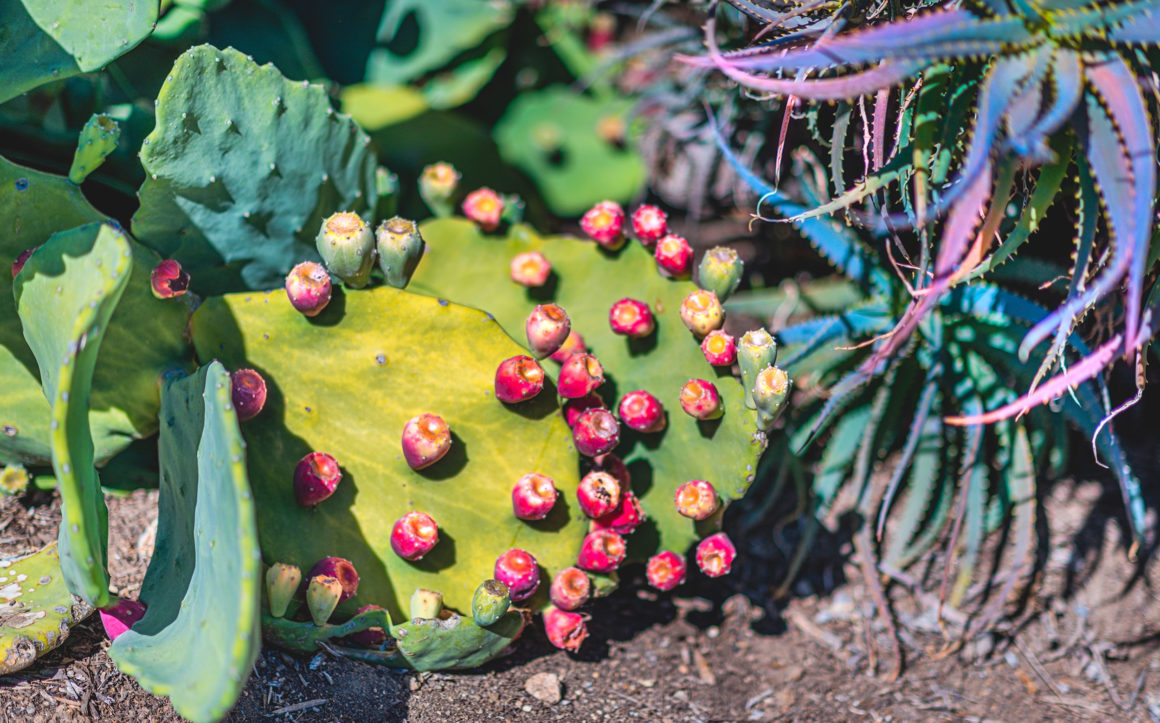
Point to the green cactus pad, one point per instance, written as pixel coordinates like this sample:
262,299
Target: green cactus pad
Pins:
553,136
36,609
200,635
242,167
345,383
472,268
145,338
46,40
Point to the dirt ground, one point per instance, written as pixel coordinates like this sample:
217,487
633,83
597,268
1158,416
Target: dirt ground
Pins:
1085,645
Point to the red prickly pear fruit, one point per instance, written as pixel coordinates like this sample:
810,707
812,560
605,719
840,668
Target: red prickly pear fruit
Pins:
168,279
570,589
485,207
341,570
316,477
641,411
604,222
702,312
715,555
566,630
596,432
601,551
530,269
308,287
18,264
598,494
700,400
426,438
547,328
374,637
518,570
574,344
601,33
665,570
631,318
580,376
697,499
610,464
574,407
649,224
674,257
518,379
248,391
624,519
120,616
413,535
720,349
533,496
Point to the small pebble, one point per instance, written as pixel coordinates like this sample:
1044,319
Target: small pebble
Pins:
544,687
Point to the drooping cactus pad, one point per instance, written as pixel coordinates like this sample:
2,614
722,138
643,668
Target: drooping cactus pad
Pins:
346,382
470,267
200,634
242,167
36,609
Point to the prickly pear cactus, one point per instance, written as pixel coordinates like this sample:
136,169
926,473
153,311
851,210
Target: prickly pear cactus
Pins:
470,267
242,167
200,634
345,383
36,608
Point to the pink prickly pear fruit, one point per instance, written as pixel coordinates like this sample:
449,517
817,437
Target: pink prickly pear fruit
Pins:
282,581
700,400
604,222
702,312
720,349
322,594
374,637
414,535
570,589
697,499
601,551
530,269
596,432
641,411
566,630
120,616
674,257
624,519
518,570
580,376
649,224
715,555
533,496
598,494
168,279
574,344
248,391
426,438
631,318
341,570
485,207
18,264
665,570
574,407
316,477
518,379
610,464
547,328
308,287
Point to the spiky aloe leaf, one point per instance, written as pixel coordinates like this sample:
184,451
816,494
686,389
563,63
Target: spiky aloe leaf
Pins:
242,167
145,335
36,608
345,383
46,40
200,634
468,267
